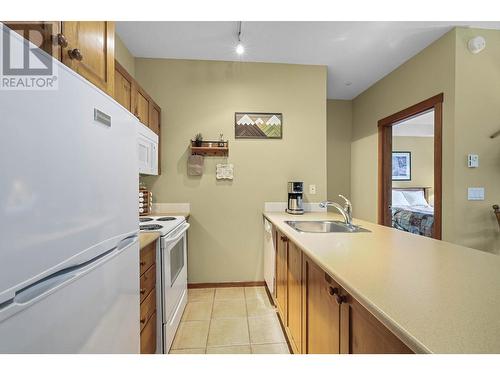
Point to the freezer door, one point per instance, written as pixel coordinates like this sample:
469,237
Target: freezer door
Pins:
93,308
69,178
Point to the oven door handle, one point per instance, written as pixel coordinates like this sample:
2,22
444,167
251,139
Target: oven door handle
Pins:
181,231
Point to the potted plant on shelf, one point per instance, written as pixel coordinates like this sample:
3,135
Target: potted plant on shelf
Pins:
198,139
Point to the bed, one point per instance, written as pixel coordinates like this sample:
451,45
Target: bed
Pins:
411,211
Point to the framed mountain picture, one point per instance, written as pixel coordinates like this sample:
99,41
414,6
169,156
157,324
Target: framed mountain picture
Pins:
258,125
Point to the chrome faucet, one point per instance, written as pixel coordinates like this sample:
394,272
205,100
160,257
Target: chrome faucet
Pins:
345,211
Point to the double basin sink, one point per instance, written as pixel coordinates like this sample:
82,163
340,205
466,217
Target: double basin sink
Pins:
325,226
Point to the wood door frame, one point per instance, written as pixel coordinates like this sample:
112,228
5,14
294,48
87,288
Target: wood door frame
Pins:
385,158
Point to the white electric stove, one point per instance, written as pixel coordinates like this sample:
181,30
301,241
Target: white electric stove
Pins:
171,260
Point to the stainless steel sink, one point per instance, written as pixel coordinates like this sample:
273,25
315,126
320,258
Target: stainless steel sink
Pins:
325,226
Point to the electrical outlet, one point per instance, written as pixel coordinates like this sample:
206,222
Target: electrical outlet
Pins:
312,189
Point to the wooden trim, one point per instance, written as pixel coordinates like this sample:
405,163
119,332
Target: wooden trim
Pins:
438,170
412,111
385,160
230,284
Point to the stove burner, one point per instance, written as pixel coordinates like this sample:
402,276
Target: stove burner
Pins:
144,219
150,227
167,218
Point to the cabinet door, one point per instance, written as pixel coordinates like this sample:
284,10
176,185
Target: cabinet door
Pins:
295,296
43,34
91,51
362,333
322,311
140,105
154,117
123,87
281,276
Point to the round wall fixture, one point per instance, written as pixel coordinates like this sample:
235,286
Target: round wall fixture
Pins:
476,44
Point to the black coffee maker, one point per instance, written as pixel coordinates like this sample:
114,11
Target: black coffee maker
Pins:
295,191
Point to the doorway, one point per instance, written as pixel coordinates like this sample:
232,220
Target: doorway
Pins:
404,167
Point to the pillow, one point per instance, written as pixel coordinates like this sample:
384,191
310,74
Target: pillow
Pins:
415,198
398,199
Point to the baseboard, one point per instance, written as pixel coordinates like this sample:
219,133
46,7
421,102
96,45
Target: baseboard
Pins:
226,284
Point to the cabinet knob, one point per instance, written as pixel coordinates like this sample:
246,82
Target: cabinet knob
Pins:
332,291
340,299
75,54
284,239
142,263
142,291
61,40
143,321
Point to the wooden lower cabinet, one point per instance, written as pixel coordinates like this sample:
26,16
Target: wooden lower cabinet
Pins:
362,333
319,316
321,310
281,276
148,309
294,286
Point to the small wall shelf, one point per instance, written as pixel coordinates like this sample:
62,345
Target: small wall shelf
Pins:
210,148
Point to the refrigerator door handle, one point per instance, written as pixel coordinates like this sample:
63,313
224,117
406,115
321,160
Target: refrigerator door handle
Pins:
49,284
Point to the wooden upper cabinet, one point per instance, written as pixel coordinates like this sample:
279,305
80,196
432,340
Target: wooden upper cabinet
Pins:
89,50
123,87
281,276
321,310
362,333
140,105
154,117
295,296
41,33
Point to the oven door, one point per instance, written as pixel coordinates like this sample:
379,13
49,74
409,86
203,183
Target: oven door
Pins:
174,270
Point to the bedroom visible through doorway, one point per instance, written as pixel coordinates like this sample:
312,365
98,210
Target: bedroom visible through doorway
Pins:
410,163
412,207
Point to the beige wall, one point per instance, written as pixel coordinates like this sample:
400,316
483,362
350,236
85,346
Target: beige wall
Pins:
422,162
430,72
471,87
477,117
124,57
339,132
225,240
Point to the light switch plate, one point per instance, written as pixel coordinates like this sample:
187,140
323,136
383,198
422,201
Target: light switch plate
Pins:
475,194
312,189
473,161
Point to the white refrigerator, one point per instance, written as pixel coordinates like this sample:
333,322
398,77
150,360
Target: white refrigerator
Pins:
69,252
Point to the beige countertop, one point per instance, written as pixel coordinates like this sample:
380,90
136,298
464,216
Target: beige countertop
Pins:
435,296
145,238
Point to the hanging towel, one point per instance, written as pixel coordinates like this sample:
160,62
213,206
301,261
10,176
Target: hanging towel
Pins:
195,165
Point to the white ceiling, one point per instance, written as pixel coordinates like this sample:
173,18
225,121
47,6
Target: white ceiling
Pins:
359,53
418,126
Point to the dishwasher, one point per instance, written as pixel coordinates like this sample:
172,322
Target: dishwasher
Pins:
269,256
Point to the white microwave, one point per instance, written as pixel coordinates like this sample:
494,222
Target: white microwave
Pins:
147,150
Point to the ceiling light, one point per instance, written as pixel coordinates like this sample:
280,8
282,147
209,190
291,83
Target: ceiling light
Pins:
240,49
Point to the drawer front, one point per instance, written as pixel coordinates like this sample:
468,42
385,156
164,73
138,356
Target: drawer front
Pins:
148,336
148,307
148,257
148,282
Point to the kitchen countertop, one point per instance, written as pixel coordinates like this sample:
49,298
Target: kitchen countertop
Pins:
145,238
435,296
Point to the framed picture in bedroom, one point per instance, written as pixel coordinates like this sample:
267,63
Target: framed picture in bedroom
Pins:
401,166
258,125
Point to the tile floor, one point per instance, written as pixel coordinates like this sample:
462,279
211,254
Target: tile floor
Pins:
229,321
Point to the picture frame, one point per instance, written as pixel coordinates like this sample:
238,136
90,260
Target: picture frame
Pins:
258,125
401,166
